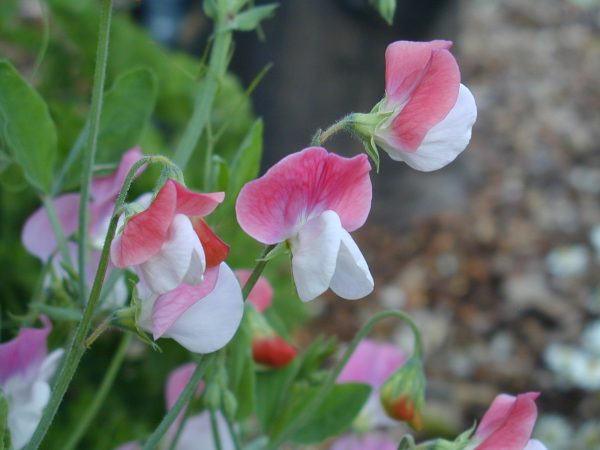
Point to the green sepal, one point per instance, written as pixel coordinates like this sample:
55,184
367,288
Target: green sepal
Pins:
280,249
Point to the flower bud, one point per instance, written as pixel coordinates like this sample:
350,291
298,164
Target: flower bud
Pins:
268,347
230,404
403,394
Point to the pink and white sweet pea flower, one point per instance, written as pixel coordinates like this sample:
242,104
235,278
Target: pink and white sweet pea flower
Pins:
196,433
25,371
313,199
508,424
428,114
202,317
164,242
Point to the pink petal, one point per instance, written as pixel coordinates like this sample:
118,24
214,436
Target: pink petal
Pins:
372,362
134,445
38,237
431,100
211,322
261,295
508,423
195,203
405,65
215,249
106,188
145,233
177,380
170,306
197,433
25,352
371,441
302,186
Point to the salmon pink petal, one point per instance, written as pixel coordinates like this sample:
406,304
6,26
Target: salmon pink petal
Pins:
314,255
215,249
429,103
351,279
170,306
145,233
106,188
211,322
180,259
302,186
261,295
405,65
372,363
38,237
25,352
510,429
177,381
445,141
196,203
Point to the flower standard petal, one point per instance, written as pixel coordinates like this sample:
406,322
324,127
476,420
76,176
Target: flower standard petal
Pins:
314,255
105,188
302,186
195,203
211,321
38,236
145,233
351,279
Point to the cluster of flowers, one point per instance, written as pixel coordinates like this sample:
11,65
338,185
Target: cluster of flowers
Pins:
309,202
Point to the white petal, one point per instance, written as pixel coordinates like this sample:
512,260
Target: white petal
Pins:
49,365
534,444
197,433
446,140
315,252
179,255
25,412
352,279
212,321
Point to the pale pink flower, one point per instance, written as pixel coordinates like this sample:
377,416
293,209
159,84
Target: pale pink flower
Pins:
38,236
202,317
508,424
431,112
261,295
164,243
313,199
25,372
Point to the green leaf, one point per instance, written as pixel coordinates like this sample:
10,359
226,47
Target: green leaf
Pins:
26,127
386,9
250,19
220,173
4,431
246,162
126,111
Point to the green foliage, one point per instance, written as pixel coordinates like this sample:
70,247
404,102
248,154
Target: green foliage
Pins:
20,107
251,18
386,9
4,432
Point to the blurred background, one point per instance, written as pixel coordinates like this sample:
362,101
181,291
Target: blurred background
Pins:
497,256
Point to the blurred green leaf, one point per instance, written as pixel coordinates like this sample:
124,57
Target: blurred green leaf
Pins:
26,127
4,431
251,18
386,9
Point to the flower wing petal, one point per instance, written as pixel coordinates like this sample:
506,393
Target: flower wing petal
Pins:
351,279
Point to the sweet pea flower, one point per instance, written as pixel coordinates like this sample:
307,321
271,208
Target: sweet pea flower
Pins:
508,424
426,116
169,243
202,317
38,236
25,371
313,199
196,433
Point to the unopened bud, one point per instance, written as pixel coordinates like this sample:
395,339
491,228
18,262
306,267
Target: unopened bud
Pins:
272,351
212,396
230,404
403,394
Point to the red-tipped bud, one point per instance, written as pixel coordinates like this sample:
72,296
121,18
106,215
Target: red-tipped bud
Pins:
403,394
273,351
215,249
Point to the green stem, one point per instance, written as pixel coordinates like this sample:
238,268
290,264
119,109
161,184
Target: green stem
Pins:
89,154
217,66
173,445
45,40
57,229
258,269
76,348
71,158
183,399
311,408
234,436
107,382
214,426
321,136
